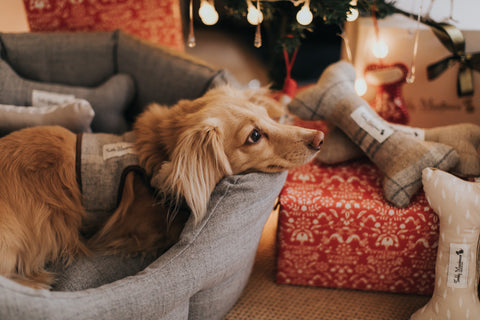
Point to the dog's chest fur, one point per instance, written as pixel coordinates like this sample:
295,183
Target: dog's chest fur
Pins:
102,162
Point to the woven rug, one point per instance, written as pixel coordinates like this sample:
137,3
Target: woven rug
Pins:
263,299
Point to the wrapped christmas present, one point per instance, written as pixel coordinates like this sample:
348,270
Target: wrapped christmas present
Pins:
336,230
445,88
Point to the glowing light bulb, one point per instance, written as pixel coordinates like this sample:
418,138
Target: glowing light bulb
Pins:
353,14
305,16
380,49
254,16
207,13
360,86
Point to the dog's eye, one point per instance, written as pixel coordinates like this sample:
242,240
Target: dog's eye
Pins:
254,136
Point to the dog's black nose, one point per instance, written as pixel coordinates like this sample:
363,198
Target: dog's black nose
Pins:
317,140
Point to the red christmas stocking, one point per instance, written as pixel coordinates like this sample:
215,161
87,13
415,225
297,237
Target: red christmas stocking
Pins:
388,80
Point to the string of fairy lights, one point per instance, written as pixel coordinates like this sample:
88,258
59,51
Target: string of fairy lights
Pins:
340,11
209,15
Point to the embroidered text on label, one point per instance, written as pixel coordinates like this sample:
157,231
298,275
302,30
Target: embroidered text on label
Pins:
458,265
117,149
374,127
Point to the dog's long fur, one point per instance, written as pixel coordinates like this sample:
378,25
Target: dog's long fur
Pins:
185,151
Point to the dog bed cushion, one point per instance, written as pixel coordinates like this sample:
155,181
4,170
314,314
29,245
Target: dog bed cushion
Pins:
75,59
75,115
200,277
156,72
109,100
87,59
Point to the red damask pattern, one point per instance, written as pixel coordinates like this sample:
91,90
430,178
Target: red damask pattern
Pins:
158,21
335,230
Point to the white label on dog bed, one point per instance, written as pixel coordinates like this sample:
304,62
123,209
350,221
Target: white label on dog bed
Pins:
415,132
458,265
378,129
45,98
118,149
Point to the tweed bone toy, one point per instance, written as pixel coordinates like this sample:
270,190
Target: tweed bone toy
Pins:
398,155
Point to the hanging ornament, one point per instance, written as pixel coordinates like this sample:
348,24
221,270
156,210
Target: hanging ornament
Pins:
207,13
258,37
388,80
453,40
411,73
352,15
254,16
346,44
191,36
450,18
304,15
258,32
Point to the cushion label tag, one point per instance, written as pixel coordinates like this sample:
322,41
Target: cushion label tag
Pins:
458,265
118,149
378,129
418,133
45,98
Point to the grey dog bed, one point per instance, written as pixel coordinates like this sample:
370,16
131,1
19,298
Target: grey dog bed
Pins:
201,276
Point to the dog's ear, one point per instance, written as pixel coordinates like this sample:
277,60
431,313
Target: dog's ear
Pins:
196,164
264,98
273,107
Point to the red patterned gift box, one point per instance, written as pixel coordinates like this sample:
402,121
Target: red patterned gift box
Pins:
335,230
158,21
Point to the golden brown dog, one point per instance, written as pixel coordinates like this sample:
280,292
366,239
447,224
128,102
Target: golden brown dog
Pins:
185,150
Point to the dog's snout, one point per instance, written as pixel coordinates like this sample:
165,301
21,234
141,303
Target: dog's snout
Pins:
317,140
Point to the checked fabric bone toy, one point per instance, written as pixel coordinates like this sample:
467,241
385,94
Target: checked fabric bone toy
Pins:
398,155
463,137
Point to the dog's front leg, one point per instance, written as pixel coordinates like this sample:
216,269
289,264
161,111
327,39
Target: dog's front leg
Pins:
139,225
